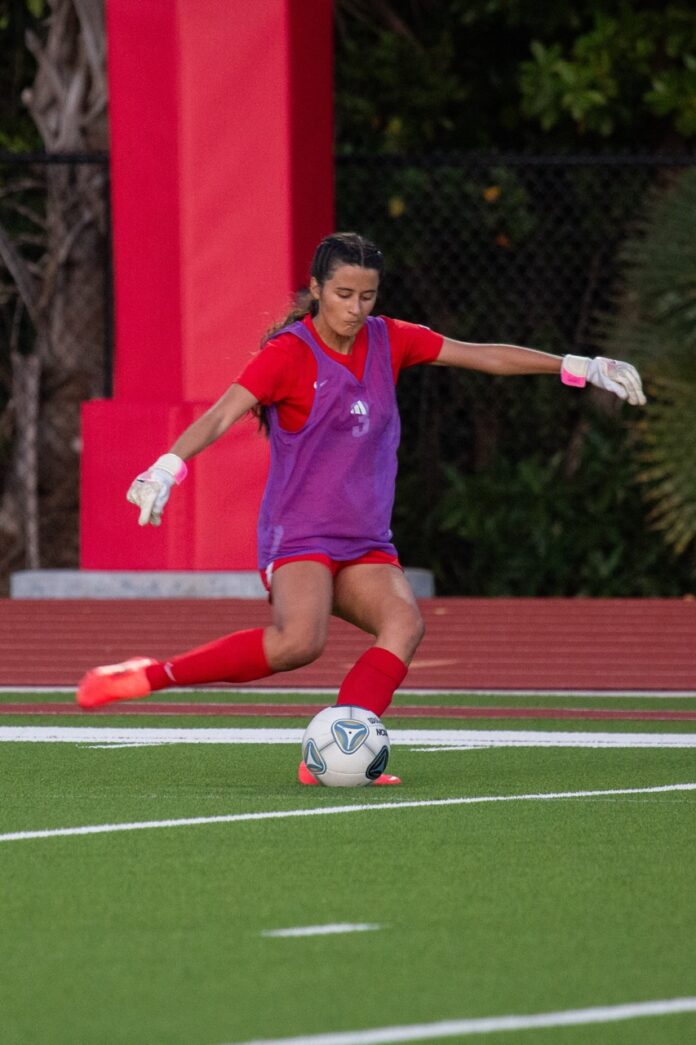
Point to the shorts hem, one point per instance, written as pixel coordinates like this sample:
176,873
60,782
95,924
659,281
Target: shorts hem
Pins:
372,558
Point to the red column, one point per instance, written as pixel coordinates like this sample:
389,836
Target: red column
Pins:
222,183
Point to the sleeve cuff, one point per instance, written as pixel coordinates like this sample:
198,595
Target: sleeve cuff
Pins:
574,371
173,464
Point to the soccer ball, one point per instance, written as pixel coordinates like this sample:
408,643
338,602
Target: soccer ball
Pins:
345,746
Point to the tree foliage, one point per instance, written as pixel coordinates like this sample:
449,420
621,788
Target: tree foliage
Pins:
656,322
512,490
452,74
628,64
18,132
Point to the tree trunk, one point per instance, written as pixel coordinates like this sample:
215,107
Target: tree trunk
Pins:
65,292
26,376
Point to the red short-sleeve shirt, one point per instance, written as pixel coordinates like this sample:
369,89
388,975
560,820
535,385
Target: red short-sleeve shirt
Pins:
285,371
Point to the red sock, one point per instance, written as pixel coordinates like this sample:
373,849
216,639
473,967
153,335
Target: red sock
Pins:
238,657
371,681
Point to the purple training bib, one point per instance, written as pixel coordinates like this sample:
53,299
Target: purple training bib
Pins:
330,488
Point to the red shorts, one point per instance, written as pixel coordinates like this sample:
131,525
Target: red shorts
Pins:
334,565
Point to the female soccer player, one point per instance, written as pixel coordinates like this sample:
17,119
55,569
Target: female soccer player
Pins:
324,387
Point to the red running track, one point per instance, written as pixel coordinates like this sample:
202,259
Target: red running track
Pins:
545,644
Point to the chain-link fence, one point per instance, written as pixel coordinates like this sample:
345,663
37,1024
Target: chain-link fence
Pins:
504,248
515,249
55,330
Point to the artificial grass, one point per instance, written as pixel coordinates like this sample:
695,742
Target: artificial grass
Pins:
153,937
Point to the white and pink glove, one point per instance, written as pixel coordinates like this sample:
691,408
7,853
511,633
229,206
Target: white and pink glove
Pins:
610,374
150,490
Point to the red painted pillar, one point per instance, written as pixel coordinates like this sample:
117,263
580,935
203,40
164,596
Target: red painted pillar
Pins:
222,183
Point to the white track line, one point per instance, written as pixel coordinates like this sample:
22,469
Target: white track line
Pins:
666,694
322,930
285,814
490,1024
458,739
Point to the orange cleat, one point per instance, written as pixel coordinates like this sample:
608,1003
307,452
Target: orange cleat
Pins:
126,681
305,777
386,778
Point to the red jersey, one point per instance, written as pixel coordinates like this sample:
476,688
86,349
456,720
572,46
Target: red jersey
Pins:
284,372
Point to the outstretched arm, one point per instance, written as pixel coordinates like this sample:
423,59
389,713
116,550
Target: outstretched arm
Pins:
497,359
506,360
150,490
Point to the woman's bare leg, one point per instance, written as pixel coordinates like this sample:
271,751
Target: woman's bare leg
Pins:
378,599
302,595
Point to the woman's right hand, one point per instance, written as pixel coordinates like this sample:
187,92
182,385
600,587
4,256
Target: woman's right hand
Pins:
150,490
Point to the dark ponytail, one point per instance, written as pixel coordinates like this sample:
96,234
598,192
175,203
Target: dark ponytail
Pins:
303,305
340,248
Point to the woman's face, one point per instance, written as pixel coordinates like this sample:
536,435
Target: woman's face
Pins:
346,298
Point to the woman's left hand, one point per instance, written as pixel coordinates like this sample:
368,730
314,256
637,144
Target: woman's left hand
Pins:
610,374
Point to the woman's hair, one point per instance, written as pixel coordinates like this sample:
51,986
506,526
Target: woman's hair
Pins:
340,248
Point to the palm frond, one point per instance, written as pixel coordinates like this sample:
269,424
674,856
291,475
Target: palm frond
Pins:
654,325
668,455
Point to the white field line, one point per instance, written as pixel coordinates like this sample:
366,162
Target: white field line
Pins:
460,739
322,930
446,747
490,1024
261,694
286,814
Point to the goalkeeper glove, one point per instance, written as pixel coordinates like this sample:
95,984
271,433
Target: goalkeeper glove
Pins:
614,376
150,490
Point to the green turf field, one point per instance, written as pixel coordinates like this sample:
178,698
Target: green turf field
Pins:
157,935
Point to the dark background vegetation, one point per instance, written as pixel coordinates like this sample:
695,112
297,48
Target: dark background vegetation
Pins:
491,147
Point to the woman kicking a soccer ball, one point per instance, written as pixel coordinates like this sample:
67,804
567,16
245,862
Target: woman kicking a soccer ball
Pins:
324,387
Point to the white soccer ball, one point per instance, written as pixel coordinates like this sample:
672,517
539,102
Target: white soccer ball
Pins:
345,746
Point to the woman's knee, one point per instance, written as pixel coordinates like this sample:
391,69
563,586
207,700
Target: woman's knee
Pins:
297,647
418,628
415,628
404,629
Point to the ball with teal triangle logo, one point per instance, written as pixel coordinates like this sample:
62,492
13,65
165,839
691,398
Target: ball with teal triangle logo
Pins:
378,764
313,759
